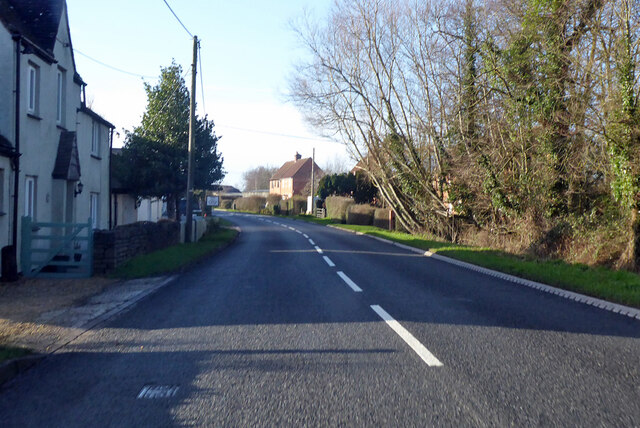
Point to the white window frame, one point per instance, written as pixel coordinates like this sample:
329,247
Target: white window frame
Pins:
61,99
95,138
30,192
33,87
94,200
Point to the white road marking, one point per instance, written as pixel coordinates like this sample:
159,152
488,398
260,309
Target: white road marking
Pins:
350,283
311,242
297,231
291,228
418,347
318,249
158,391
329,262
305,235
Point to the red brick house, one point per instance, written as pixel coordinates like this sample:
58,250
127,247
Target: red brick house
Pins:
293,176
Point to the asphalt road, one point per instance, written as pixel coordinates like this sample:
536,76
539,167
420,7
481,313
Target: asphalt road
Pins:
273,332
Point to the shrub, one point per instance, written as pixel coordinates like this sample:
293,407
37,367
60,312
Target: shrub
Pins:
337,207
381,218
226,204
361,214
252,203
273,200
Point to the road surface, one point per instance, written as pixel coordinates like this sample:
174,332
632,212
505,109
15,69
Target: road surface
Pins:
297,324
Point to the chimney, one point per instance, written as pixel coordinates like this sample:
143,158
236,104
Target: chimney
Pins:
297,157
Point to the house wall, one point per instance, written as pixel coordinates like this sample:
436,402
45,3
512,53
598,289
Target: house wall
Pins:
150,209
7,127
124,209
94,170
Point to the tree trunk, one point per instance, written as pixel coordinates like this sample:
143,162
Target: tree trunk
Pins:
630,259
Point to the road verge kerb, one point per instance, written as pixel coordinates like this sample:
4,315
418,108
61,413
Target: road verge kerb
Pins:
571,295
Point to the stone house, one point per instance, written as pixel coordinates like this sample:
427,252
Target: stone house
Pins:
54,150
293,176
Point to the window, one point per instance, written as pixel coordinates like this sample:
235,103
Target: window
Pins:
95,139
95,197
60,100
30,197
33,86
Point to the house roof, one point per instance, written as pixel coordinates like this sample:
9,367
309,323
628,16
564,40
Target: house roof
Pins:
6,148
95,116
225,189
296,168
35,20
67,166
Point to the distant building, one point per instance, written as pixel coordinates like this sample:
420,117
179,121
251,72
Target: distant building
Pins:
293,176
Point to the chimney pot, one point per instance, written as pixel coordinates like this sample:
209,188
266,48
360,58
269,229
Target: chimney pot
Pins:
297,157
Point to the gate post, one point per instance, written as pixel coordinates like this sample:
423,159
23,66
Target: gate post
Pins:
25,248
90,247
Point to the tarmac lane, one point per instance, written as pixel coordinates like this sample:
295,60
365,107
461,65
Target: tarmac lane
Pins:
297,324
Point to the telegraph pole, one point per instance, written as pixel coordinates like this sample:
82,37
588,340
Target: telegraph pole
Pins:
192,113
313,181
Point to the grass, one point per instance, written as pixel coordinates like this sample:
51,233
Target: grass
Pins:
612,285
9,353
174,258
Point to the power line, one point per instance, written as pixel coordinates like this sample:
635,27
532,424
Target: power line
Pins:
174,14
299,137
112,67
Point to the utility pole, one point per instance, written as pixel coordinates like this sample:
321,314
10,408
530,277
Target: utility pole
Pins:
313,181
192,113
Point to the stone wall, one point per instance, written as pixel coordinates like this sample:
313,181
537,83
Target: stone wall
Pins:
111,248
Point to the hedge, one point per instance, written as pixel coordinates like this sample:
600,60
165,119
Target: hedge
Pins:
381,218
361,214
337,207
252,203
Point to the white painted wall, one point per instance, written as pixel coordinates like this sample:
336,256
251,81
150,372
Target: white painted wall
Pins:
151,209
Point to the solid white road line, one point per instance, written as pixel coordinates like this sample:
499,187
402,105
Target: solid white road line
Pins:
350,283
418,347
318,249
329,262
311,242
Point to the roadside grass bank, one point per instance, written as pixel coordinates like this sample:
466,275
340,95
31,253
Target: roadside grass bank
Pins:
616,286
9,353
174,258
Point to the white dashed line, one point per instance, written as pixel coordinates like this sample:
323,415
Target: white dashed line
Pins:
311,242
318,249
329,262
297,231
350,283
418,347
305,235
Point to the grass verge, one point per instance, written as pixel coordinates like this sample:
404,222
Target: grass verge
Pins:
174,258
612,285
9,353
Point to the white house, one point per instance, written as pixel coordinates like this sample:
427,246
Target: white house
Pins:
54,150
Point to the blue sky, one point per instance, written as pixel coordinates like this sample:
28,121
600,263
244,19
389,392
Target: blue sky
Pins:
248,50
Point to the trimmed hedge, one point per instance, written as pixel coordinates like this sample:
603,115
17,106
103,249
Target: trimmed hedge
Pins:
381,218
361,214
252,203
337,207
294,206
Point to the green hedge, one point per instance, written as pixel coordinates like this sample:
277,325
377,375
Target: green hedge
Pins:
381,218
337,207
361,214
252,203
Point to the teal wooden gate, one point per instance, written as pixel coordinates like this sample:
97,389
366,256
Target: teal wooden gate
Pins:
56,250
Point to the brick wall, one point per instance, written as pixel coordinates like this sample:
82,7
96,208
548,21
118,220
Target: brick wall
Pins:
111,248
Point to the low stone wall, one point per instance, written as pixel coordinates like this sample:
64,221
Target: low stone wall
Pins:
111,248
